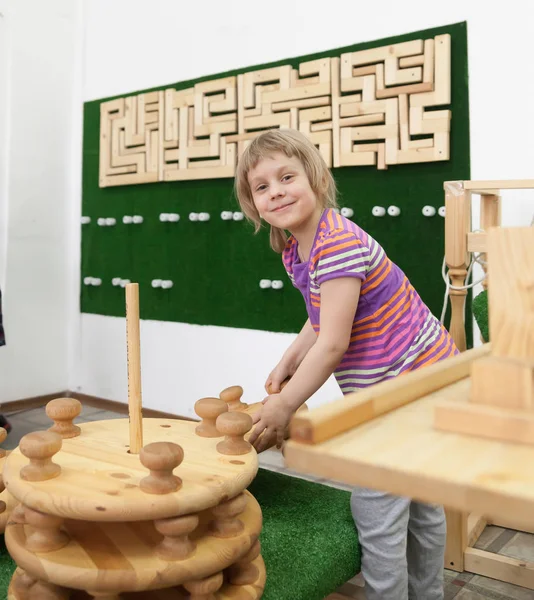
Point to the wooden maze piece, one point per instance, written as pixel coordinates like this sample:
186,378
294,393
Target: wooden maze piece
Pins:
46,534
39,447
234,425
176,544
204,589
63,411
226,524
161,458
208,409
232,396
244,571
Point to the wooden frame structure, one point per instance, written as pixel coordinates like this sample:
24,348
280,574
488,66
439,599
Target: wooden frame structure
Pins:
464,529
374,438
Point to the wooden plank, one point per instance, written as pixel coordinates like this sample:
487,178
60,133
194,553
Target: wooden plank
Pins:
499,184
502,568
456,541
401,453
330,420
477,242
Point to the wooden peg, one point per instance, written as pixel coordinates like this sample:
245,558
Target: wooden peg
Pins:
39,447
282,385
176,544
161,458
244,571
226,524
208,409
234,425
3,435
43,590
22,583
46,534
204,589
63,411
232,396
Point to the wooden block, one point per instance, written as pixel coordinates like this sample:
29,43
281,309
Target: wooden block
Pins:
327,421
477,242
511,318
490,422
503,568
499,184
498,381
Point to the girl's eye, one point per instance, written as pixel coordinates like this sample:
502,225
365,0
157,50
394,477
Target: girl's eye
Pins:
287,177
260,188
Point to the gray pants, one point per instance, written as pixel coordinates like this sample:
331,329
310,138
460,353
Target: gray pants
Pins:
403,546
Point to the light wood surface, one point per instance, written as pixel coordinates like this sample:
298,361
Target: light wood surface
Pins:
227,592
99,479
122,556
402,453
329,420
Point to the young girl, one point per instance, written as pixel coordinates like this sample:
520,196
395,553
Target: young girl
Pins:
366,323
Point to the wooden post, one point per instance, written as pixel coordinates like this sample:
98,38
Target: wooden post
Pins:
134,368
457,225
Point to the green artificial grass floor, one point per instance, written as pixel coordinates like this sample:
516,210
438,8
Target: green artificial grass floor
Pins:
309,541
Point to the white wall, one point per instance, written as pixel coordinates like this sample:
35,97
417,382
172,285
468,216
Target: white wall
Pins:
131,45
40,105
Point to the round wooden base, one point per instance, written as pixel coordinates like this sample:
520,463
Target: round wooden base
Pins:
228,591
124,556
100,479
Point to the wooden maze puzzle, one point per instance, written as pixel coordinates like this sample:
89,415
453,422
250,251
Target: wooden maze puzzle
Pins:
371,107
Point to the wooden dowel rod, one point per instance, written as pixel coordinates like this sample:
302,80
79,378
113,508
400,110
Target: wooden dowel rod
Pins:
330,420
134,368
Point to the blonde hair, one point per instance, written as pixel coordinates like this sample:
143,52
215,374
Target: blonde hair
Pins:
292,143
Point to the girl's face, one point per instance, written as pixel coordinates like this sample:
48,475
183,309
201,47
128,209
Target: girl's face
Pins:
282,193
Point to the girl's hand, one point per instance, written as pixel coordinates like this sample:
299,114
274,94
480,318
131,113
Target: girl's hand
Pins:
272,420
277,378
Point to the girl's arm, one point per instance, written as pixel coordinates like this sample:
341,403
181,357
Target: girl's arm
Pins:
291,358
339,301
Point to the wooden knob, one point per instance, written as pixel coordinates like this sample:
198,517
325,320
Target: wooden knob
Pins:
63,411
45,534
234,425
43,590
208,409
161,458
203,589
244,572
232,397
282,385
176,544
39,447
226,524
3,435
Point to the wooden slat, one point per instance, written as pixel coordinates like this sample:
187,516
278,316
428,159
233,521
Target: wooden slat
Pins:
497,566
477,242
499,184
330,420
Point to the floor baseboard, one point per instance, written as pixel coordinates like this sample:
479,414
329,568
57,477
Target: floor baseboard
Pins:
111,405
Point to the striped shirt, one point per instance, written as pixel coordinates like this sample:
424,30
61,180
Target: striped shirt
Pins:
393,330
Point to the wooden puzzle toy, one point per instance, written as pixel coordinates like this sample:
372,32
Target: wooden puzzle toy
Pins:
136,508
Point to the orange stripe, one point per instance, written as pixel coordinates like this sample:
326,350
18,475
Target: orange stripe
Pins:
368,288
385,307
360,328
365,336
327,251
421,358
383,264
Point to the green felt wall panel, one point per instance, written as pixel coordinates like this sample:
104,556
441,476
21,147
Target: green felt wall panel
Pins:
216,266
